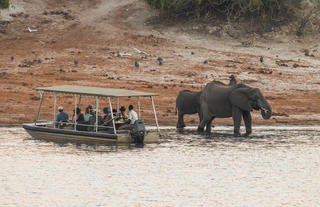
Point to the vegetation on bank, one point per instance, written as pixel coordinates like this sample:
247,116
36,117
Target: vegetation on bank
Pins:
266,13
4,4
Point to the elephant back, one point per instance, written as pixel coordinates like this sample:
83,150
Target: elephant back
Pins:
188,102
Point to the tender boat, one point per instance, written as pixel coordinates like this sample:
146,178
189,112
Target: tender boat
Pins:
94,133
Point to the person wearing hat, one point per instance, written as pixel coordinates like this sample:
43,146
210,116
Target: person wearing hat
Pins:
62,116
122,116
132,117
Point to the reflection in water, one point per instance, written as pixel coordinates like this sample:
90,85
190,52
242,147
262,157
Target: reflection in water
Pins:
273,167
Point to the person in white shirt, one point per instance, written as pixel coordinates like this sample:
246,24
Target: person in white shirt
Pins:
132,115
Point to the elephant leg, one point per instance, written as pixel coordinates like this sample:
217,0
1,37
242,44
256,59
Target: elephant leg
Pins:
247,122
204,116
180,123
209,125
236,115
200,116
202,124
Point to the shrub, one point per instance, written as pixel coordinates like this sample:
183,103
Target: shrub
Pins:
4,4
266,10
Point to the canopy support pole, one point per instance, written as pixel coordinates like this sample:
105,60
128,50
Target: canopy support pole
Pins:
79,100
97,113
54,109
117,104
155,114
38,113
139,111
75,112
114,126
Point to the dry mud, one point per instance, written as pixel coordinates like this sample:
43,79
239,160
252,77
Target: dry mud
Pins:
93,32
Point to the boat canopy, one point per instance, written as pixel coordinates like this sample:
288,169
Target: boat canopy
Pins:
94,91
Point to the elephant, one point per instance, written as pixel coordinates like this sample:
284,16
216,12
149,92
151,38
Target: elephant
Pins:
188,102
237,101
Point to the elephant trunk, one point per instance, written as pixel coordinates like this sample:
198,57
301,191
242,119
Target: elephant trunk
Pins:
266,111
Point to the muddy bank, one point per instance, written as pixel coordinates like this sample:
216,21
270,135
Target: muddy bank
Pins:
77,44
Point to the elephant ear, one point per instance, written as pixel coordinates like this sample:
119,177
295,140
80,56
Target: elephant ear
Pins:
240,98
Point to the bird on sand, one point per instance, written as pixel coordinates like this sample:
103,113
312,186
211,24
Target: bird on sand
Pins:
261,59
12,58
160,60
205,62
75,62
136,64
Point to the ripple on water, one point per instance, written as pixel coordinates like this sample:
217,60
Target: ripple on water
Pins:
273,167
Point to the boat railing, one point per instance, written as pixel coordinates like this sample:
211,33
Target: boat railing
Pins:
75,126
42,122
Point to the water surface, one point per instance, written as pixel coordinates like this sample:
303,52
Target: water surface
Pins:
274,167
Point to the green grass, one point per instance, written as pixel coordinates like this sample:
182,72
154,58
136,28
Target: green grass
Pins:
4,4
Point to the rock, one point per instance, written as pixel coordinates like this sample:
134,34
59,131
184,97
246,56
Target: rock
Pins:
76,62
205,62
265,71
282,63
213,29
246,43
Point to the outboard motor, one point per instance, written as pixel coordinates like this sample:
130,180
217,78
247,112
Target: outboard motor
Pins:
138,131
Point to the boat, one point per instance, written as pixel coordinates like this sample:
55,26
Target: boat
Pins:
51,130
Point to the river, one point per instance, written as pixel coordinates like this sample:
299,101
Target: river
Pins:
276,166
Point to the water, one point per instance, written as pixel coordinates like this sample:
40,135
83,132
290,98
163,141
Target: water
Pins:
274,167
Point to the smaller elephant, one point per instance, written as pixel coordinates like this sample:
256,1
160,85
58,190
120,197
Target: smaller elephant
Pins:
187,102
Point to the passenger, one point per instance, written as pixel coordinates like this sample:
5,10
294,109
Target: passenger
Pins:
122,117
132,117
78,116
107,119
88,113
92,121
62,116
115,114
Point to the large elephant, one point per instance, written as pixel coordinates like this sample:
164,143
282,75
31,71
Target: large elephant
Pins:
237,101
188,102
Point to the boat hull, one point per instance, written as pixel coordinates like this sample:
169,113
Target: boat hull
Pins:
62,135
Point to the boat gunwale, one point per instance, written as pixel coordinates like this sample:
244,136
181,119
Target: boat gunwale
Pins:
69,132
